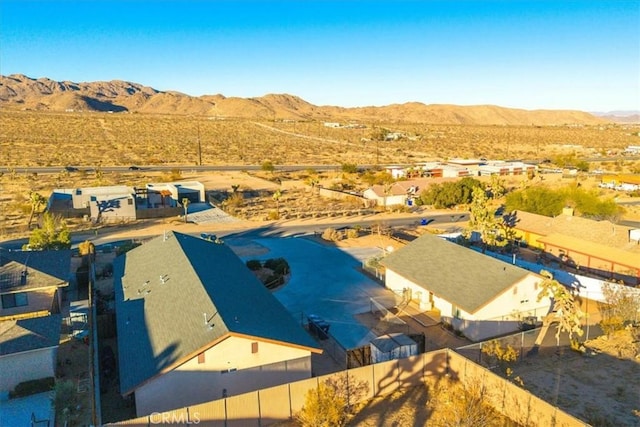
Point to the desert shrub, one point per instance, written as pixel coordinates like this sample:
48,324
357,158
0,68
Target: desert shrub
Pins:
323,407
610,324
254,265
349,168
273,215
467,404
235,200
174,175
268,166
332,235
352,233
333,402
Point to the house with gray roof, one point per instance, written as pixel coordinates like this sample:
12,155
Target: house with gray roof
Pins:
28,349
194,325
30,320
479,296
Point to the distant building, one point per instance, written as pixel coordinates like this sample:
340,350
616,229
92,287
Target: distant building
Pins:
123,203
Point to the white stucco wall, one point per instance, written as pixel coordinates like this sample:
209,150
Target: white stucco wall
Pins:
118,207
195,382
26,366
500,316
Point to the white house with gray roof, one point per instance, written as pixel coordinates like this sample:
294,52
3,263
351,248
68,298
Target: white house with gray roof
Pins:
480,296
195,325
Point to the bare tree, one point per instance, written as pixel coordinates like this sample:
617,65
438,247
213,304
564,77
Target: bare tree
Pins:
565,309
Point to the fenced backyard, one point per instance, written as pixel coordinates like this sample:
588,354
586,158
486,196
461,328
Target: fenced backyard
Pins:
279,404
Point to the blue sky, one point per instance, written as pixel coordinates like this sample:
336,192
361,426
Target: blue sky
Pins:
525,54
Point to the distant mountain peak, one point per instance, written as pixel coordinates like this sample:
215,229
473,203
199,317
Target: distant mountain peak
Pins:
23,92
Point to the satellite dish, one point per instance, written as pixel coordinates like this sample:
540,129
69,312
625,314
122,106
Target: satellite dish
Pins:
389,248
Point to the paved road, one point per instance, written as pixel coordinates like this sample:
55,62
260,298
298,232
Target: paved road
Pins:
275,229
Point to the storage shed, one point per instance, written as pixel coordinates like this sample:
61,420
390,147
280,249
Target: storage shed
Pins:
392,346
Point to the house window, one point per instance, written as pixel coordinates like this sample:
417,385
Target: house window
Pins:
130,201
455,312
254,347
15,300
226,371
201,358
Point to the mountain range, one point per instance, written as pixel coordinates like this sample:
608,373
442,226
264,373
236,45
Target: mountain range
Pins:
43,94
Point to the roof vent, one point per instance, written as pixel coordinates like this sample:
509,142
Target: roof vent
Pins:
164,278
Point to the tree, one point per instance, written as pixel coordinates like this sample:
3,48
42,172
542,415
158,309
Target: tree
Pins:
497,187
564,307
450,194
37,201
481,218
185,204
53,234
277,195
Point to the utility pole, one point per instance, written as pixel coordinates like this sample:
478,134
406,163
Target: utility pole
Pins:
199,146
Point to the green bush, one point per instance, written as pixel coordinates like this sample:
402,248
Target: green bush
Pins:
254,265
280,266
28,388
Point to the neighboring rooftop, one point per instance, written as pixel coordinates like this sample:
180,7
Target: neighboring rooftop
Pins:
178,295
594,250
17,336
457,274
34,269
601,232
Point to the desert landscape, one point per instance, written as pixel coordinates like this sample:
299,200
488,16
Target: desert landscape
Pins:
54,130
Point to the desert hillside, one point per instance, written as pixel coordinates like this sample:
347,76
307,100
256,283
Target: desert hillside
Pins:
43,94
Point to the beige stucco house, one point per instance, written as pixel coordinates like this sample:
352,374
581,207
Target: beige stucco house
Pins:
477,295
194,325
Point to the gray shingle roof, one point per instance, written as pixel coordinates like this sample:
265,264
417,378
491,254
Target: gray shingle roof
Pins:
166,288
462,276
17,336
45,268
